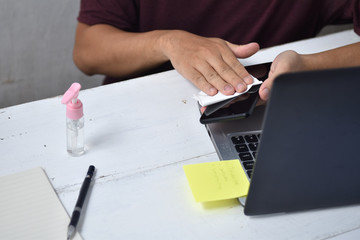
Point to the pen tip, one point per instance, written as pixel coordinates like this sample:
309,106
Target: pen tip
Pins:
71,231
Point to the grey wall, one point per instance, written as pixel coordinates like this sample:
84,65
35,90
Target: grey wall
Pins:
36,42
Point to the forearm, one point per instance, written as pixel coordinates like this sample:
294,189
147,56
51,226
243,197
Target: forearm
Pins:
103,49
346,56
211,64
290,61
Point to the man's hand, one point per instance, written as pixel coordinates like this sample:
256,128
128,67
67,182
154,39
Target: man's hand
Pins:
291,61
288,61
209,63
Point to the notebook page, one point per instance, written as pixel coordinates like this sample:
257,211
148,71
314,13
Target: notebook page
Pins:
30,208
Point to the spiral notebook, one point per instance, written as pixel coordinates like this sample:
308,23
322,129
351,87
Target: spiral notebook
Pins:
30,208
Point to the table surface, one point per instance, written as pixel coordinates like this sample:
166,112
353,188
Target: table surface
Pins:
139,134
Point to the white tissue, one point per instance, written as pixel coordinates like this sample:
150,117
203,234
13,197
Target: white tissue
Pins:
205,100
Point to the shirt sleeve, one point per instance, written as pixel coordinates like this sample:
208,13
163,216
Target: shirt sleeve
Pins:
345,11
121,14
356,16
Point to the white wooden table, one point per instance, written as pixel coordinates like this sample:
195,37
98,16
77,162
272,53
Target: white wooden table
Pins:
139,134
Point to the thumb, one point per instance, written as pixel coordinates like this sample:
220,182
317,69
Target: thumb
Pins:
265,88
244,51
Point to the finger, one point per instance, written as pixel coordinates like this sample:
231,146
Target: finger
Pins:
244,51
199,81
240,70
265,88
214,78
241,51
232,72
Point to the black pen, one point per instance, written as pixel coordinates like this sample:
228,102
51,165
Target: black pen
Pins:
79,203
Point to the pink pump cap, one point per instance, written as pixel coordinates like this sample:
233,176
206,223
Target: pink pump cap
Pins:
74,107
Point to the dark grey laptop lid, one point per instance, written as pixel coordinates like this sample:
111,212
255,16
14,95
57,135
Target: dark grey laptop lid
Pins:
309,151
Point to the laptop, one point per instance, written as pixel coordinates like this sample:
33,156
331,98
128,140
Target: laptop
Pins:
300,151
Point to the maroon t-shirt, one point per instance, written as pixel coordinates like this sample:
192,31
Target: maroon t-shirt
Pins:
268,22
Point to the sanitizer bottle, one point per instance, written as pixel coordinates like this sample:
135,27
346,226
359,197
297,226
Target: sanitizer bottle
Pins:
74,121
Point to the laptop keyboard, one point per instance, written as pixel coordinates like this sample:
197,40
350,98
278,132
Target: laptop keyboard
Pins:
246,146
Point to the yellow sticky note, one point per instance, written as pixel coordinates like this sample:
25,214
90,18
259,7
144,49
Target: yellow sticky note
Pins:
219,180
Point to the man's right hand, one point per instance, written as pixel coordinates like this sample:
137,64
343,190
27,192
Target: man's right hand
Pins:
211,64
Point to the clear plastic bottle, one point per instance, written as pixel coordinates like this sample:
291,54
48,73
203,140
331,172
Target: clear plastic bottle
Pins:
75,136
74,121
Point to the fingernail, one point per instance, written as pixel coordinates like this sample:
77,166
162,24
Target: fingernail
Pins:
228,88
248,79
265,93
212,91
241,87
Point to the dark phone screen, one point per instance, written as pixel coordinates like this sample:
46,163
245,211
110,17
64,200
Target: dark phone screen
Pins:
260,71
241,106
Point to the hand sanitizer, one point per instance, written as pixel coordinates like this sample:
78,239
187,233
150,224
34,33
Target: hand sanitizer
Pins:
74,121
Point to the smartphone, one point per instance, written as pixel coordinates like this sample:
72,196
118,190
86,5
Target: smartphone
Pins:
241,106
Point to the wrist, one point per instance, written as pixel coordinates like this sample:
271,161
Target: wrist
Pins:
166,42
172,40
